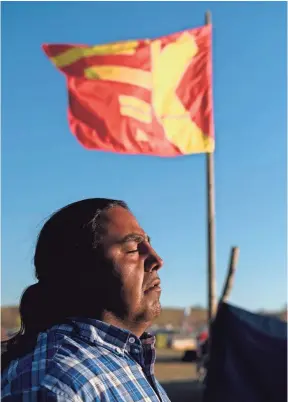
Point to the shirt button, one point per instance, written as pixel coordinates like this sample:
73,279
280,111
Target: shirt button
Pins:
131,340
118,350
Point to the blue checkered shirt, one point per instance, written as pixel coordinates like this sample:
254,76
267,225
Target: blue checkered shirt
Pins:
85,360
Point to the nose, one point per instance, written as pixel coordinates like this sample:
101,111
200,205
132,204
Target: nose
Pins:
152,262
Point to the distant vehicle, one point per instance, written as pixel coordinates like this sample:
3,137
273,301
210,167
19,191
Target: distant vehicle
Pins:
182,342
164,337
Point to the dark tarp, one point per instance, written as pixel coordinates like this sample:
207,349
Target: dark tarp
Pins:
248,361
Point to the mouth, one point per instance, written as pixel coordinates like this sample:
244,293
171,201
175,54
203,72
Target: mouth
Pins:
153,287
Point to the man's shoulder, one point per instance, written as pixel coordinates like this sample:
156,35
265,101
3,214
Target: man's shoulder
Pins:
57,363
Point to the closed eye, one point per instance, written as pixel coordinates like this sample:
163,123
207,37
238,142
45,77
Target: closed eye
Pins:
136,243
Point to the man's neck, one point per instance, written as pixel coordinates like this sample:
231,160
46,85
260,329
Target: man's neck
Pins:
137,328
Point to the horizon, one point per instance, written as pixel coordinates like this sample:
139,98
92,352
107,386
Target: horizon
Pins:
45,168
279,310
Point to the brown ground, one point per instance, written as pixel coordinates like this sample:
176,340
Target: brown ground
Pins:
178,378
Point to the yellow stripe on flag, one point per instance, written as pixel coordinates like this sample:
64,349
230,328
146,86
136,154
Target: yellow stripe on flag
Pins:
135,108
74,54
125,75
176,121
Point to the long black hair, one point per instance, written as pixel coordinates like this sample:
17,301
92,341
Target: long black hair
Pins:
67,250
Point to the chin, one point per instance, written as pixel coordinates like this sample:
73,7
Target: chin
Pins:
154,311
147,311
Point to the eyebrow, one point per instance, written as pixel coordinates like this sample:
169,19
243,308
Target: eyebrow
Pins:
135,237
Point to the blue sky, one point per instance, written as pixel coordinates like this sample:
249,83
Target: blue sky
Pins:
44,168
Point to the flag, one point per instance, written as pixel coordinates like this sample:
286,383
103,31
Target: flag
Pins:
150,97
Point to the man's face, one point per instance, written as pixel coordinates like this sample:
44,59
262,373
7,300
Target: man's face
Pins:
134,265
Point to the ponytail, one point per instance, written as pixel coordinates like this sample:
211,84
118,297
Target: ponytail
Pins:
32,311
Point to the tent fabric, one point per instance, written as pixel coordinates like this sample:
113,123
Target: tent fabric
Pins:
248,358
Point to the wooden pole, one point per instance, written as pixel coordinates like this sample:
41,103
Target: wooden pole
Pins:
230,274
212,302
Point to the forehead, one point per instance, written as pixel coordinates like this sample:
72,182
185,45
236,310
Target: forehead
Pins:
119,222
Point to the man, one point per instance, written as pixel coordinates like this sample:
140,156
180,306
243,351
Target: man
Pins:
83,324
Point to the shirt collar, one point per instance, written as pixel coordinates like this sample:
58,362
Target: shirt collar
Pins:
99,332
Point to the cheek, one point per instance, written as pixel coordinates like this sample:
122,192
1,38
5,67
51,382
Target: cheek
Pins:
132,275
129,270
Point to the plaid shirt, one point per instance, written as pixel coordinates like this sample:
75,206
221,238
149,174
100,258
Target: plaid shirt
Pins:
85,360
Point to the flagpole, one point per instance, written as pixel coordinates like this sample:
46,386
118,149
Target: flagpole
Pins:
212,302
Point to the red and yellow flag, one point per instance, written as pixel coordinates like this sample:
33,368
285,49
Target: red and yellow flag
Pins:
149,97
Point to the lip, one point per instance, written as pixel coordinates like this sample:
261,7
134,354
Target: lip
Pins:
154,286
